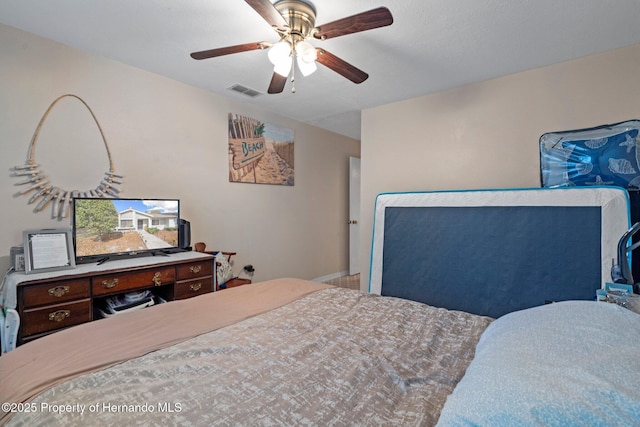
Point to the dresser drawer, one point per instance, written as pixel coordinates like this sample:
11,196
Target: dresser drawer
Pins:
122,282
55,293
55,317
196,269
191,288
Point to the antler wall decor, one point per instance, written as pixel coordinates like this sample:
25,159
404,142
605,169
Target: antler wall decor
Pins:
45,192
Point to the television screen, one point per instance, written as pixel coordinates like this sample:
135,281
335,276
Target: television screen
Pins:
104,229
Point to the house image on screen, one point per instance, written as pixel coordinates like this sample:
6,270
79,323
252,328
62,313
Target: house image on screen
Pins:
131,219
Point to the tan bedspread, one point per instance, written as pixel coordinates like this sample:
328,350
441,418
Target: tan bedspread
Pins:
333,357
32,368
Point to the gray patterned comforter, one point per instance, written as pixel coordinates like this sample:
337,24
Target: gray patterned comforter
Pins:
334,357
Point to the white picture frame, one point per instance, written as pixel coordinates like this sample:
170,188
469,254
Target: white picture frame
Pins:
48,250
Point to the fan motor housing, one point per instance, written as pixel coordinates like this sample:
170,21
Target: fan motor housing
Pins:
301,16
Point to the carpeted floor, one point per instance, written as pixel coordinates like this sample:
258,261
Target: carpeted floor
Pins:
349,282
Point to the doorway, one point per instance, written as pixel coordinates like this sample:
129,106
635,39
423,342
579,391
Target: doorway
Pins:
354,215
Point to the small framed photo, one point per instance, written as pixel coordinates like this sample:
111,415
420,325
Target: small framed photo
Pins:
48,250
17,258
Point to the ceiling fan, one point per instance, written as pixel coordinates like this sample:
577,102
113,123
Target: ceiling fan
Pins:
294,21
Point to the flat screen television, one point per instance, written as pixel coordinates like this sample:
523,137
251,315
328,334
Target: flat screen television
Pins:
105,229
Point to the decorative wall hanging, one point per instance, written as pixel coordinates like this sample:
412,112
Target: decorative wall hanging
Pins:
44,192
260,153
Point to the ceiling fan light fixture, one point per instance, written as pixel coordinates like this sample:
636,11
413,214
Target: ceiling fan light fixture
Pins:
306,52
280,53
283,67
295,21
306,56
306,68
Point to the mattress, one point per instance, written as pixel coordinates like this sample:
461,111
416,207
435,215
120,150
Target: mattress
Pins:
491,252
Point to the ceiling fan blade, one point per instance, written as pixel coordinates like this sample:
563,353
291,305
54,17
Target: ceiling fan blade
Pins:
268,12
364,21
211,53
341,67
277,83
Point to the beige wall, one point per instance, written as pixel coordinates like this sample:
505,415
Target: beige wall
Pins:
169,140
486,135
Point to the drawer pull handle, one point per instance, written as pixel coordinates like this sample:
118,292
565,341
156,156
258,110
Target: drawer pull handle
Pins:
157,279
195,287
59,316
195,269
108,284
58,291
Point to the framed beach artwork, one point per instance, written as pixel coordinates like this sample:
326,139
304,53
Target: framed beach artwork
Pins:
260,153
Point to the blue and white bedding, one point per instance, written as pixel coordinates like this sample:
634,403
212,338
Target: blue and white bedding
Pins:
574,363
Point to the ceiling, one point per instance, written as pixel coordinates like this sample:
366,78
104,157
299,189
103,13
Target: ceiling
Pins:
432,45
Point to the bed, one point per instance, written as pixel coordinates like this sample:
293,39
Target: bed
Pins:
296,352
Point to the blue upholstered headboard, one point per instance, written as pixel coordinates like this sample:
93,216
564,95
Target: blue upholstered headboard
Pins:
491,252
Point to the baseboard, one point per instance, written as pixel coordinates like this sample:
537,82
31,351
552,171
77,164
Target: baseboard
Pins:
330,277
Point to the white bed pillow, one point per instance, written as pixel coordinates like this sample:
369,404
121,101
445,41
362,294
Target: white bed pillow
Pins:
573,363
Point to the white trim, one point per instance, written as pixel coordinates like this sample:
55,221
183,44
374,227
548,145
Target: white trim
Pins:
330,277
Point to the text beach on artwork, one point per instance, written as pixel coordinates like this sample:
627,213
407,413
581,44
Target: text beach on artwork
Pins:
260,153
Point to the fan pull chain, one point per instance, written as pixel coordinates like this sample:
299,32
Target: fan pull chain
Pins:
293,76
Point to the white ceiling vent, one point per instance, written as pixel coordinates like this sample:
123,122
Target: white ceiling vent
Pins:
244,90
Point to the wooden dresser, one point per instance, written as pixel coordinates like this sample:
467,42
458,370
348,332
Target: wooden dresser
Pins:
48,302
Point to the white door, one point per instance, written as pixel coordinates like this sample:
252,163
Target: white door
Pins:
354,215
